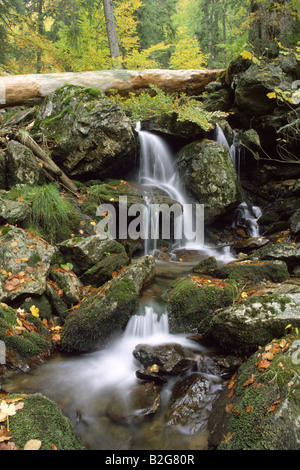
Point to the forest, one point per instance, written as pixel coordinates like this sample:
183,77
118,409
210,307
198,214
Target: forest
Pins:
43,36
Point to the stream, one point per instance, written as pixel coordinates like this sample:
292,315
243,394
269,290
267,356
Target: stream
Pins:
83,386
86,387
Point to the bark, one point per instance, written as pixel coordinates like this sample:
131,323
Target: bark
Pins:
25,89
112,33
24,138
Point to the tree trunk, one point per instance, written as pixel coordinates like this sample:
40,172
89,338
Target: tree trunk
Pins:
25,89
271,21
112,33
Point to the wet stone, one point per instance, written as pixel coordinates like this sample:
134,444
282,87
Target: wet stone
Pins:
132,407
145,374
190,402
172,359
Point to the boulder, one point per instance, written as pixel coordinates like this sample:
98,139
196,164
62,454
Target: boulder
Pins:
69,284
258,409
105,312
41,419
171,359
13,212
254,271
208,173
255,321
25,337
135,404
92,133
190,304
25,261
21,166
286,251
85,253
190,403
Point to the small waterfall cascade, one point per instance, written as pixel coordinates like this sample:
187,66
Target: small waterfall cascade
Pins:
157,167
158,170
245,216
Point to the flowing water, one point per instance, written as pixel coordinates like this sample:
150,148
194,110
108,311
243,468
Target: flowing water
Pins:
84,386
246,215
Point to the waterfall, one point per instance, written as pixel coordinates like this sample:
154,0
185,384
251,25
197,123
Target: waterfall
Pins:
245,216
158,170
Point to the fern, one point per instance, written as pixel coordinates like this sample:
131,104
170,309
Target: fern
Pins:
148,105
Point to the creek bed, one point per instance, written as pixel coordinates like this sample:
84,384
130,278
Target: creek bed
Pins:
83,386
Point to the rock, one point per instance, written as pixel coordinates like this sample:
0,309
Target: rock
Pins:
206,266
207,172
254,271
69,283
22,166
258,409
41,419
24,345
255,321
92,134
146,374
85,253
2,170
26,261
295,222
13,212
285,251
191,304
190,404
254,85
106,311
104,269
171,359
134,405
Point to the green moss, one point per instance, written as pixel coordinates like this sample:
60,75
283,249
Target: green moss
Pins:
26,345
41,419
191,306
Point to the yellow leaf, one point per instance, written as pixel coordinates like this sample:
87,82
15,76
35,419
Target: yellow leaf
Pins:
246,55
34,311
244,295
271,95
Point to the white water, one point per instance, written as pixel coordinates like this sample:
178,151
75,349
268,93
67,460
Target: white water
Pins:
246,216
111,368
158,169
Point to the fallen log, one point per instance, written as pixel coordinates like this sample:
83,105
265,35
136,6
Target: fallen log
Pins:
23,89
24,138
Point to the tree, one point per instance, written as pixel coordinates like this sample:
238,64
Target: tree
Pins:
272,21
112,33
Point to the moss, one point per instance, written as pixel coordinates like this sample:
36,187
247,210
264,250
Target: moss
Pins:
26,345
41,419
251,425
190,306
53,119
275,271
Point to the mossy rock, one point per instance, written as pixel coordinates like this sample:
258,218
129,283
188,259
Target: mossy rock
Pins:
25,346
103,271
206,266
254,271
100,317
41,419
255,321
106,311
259,408
190,306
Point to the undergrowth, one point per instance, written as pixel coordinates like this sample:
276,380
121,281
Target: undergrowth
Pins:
147,105
51,217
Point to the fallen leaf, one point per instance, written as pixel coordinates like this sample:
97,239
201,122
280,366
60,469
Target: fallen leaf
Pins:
229,408
33,444
250,381
34,311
